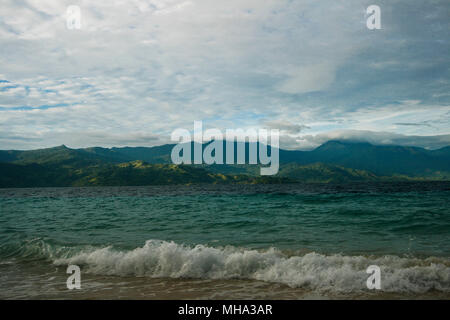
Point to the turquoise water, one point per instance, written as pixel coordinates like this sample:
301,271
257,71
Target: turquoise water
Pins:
297,235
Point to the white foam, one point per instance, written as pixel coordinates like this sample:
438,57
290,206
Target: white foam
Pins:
336,273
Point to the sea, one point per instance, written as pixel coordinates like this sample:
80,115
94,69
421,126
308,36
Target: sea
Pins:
287,241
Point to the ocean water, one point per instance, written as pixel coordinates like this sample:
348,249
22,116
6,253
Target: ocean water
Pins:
210,241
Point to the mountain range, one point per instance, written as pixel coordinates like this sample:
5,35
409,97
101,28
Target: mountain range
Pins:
334,161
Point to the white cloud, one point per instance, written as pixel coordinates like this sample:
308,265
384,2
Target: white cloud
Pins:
309,79
376,138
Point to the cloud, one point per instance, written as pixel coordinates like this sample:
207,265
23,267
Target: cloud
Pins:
308,79
77,139
285,126
376,138
412,124
150,66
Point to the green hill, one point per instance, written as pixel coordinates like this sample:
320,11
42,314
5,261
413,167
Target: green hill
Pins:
136,173
380,160
334,161
319,172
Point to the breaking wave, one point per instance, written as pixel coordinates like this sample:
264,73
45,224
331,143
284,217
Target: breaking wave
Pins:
313,271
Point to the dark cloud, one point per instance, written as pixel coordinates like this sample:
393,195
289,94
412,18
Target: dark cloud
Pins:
286,126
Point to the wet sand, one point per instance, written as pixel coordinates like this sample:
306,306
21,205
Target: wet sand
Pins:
37,284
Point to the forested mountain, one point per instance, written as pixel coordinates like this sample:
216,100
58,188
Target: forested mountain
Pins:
334,161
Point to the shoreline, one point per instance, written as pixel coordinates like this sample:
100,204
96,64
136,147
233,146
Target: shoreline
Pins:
97,287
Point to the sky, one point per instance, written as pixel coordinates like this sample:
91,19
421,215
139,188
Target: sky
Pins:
136,70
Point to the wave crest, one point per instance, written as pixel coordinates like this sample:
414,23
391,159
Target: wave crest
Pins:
336,273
